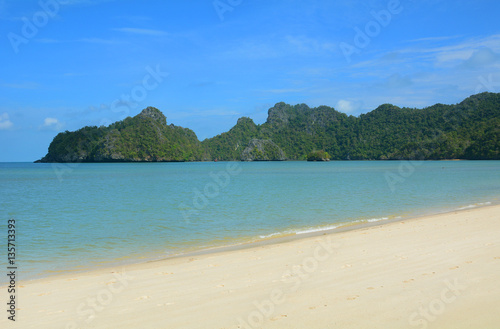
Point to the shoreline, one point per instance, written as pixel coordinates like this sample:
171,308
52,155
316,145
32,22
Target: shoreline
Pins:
271,239
438,271
274,238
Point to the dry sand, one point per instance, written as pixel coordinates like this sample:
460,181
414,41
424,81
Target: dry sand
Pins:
439,271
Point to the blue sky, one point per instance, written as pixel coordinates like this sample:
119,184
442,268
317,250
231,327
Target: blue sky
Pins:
204,63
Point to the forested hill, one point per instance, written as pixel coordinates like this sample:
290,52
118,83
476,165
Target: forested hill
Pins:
469,130
145,137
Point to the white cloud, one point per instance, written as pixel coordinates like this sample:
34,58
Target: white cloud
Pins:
347,106
52,124
5,123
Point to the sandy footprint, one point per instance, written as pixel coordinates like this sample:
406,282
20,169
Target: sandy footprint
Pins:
143,298
454,267
408,281
346,266
352,297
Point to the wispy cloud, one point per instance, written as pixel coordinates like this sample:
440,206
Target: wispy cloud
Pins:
133,19
451,53
251,49
5,122
305,44
396,80
100,41
133,30
207,113
48,41
23,85
285,90
481,58
84,2
82,40
432,39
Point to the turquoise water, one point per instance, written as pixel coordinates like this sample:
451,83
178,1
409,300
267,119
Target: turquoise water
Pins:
76,216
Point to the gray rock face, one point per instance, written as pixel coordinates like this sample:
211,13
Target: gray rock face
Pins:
278,115
262,150
155,114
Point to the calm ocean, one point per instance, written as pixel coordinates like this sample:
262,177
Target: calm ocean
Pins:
77,216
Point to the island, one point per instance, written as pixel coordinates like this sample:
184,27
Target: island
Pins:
468,130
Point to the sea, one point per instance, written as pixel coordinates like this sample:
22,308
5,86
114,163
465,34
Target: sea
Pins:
76,217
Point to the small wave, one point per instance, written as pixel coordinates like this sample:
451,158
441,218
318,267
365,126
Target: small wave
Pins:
324,228
317,229
475,205
269,235
371,220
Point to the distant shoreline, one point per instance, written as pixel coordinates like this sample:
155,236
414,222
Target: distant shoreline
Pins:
208,161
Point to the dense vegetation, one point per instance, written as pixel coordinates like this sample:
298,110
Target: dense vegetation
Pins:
469,130
318,156
145,137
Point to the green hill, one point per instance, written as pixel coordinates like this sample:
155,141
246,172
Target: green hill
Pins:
468,130
145,137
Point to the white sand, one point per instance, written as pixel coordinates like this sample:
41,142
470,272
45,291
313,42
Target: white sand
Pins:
433,272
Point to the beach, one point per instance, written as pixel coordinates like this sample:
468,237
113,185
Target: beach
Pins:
439,271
